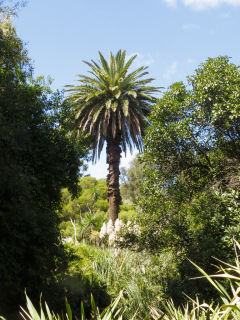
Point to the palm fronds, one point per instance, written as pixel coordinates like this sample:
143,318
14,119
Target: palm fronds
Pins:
112,98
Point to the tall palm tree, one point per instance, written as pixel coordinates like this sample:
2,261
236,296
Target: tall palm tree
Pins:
112,106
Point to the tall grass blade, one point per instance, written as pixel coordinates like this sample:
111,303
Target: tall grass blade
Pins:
32,311
69,311
50,317
214,283
94,308
82,312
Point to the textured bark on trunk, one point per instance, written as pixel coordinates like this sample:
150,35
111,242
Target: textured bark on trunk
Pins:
113,191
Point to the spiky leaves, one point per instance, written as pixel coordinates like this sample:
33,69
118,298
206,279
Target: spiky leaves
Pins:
112,98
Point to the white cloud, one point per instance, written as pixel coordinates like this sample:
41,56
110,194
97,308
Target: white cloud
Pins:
171,71
171,3
141,60
202,4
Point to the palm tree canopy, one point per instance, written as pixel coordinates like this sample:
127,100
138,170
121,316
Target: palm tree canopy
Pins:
112,101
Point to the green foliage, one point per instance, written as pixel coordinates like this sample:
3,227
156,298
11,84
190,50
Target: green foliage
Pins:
100,272
131,182
37,159
78,282
127,213
228,308
8,9
67,230
93,199
192,164
139,275
88,211
111,312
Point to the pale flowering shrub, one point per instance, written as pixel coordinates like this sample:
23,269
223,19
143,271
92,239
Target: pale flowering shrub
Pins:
103,231
108,231
133,228
116,234
118,225
110,227
112,238
136,230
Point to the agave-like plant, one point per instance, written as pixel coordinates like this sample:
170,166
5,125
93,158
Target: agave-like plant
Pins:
111,312
194,311
229,310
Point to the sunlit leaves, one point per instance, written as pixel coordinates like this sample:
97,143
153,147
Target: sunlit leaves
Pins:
192,150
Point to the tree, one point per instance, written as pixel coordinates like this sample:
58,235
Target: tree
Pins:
131,181
112,106
37,159
9,8
193,155
89,209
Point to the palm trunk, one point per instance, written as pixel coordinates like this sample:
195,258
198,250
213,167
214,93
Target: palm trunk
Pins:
113,192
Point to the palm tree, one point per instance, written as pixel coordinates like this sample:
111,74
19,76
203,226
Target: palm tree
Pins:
112,106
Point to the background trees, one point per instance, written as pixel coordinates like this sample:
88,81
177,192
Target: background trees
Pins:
112,106
88,211
37,159
131,180
191,184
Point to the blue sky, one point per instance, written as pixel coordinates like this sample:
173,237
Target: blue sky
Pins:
172,37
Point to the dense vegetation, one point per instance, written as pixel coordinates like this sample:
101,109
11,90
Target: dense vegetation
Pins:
180,198
190,201
37,160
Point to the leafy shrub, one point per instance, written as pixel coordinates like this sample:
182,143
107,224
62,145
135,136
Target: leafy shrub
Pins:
229,308
137,274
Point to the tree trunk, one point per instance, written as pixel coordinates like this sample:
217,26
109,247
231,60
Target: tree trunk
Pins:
75,230
113,192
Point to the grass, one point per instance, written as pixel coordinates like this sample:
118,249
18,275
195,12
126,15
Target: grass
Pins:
135,302
135,273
